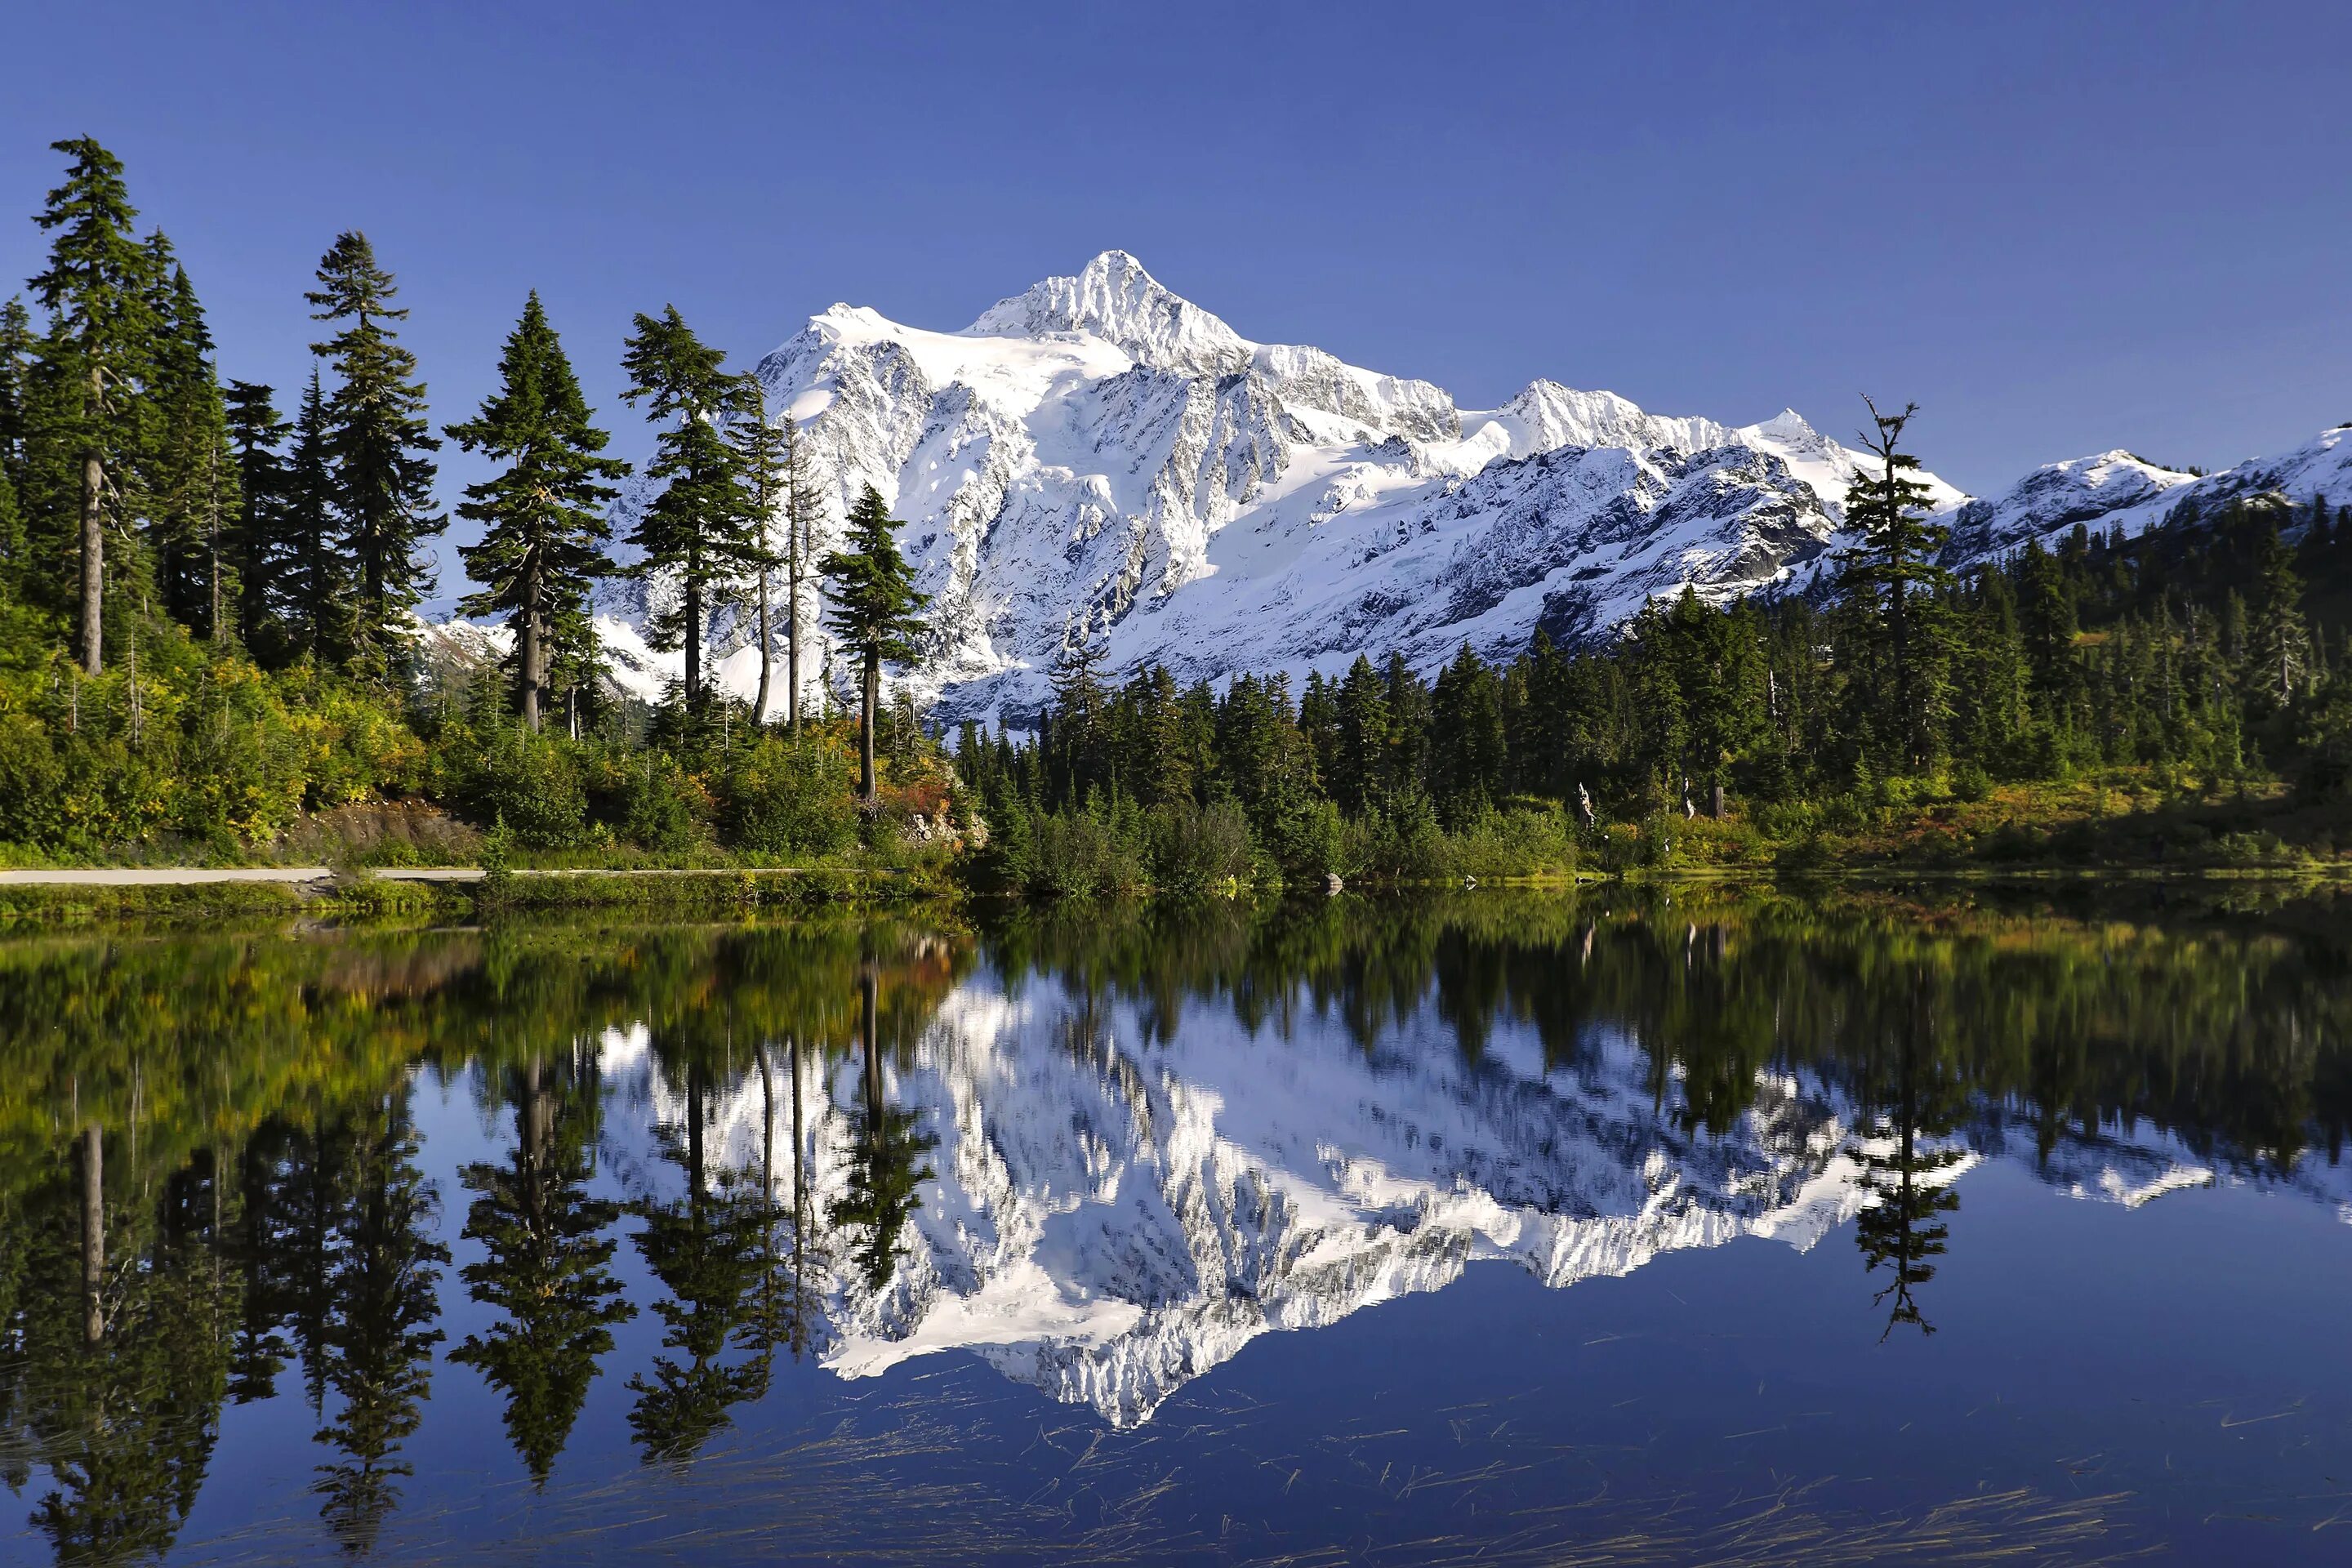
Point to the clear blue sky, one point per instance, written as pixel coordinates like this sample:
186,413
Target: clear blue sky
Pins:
2059,228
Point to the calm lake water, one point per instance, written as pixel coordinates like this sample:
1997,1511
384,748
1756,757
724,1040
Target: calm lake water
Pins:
1609,1229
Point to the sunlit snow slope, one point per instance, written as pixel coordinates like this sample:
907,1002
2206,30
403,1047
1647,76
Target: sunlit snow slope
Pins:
1100,455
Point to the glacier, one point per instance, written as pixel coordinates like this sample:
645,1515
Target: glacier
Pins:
1098,456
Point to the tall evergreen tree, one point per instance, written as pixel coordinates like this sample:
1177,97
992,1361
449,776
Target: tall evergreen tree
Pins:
318,573
379,442
2278,641
194,476
542,515
16,348
100,331
259,547
874,610
1892,577
804,508
760,449
697,534
1360,780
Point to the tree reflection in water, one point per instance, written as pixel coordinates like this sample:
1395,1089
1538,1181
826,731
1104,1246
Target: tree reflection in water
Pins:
211,1190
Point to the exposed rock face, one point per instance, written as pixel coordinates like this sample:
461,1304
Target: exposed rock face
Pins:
1099,453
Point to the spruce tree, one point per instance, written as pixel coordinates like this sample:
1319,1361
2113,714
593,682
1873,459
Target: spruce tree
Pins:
2278,642
259,549
697,532
17,346
544,514
378,441
1081,759
95,288
192,478
803,504
762,448
1358,783
318,573
1892,577
874,610
2047,621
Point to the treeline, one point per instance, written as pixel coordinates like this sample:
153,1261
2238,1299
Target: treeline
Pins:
2209,654
208,588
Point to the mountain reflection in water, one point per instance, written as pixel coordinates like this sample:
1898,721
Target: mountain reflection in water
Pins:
1101,1154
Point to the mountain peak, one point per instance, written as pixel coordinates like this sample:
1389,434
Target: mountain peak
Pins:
1114,298
1788,425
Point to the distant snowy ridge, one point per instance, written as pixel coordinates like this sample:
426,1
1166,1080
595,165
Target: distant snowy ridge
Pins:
1098,454
1112,1216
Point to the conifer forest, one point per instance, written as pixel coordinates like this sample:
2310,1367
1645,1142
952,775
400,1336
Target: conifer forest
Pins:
210,651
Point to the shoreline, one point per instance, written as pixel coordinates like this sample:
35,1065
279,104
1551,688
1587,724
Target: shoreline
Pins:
33,902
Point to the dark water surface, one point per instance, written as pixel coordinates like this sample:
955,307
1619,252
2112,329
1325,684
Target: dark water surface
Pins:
1612,1229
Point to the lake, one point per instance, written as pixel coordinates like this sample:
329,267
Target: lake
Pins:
1629,1225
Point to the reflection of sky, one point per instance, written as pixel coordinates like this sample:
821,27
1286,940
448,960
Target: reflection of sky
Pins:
2173,1370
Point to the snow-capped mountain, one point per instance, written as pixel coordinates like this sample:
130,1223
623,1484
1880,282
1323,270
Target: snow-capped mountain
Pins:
1112,1214
1100,455
2119,490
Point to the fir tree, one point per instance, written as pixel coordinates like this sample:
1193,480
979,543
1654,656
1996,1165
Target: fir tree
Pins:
2278,643
95,288
763,450
705,1248
1892,577
1360,781
1081,760
803,504
318,573
259,547
542,515
192,483
697,532
378,441
874,610
16,348
2048,624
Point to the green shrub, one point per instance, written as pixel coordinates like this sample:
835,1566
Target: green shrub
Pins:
1195,848
783,797
1519,842
648,798
1081,853
1401,844
529,783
